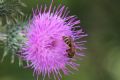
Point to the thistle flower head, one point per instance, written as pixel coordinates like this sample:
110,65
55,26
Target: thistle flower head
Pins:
45,49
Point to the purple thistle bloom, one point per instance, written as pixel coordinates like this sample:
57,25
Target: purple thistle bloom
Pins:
45,48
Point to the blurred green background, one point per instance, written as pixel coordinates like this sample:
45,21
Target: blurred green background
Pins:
101,20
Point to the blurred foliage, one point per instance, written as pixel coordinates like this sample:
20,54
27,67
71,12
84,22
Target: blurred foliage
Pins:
100,19
9,9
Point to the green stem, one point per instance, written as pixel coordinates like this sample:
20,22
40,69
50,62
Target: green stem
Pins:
0,21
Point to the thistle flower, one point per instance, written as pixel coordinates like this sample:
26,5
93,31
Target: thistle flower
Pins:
8,11
45,49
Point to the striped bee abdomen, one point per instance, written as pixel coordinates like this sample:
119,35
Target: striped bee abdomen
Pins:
71,50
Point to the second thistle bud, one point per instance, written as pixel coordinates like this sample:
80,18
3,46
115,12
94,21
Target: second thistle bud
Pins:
14,41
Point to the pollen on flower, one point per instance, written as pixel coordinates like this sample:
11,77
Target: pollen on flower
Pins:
45,49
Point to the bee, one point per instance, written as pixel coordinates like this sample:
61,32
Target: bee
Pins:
71,48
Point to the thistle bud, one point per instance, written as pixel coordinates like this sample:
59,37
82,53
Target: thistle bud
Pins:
14,41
